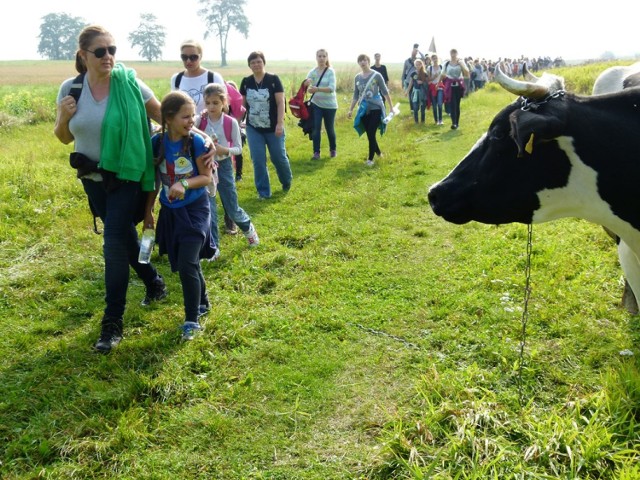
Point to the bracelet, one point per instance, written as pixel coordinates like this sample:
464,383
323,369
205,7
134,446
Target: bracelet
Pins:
184,183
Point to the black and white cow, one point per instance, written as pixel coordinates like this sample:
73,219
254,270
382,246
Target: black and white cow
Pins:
550,155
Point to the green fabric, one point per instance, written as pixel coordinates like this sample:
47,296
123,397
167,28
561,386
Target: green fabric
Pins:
126,143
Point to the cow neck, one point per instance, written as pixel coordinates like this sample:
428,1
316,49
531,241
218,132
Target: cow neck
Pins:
530,104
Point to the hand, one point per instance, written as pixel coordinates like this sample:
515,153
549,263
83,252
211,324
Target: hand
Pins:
349,114
176,192
68,106
279,129
149,221
209,155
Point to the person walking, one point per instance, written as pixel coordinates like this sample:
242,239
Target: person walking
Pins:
112,97
217,124
321,84
436,89
453,75
263,96
417,91
183,230
369,88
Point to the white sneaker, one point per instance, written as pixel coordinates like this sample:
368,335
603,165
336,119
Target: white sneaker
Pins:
216,256
252,236
369,163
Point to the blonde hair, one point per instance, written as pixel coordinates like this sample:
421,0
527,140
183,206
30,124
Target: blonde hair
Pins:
192,43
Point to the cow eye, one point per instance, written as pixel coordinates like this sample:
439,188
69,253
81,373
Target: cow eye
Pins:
497,134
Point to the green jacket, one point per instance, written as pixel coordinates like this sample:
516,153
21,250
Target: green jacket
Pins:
126,142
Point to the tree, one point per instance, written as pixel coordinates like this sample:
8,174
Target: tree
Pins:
149,37
59,36
221,16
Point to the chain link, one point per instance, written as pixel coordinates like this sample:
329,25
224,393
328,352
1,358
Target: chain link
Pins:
380,333
525,313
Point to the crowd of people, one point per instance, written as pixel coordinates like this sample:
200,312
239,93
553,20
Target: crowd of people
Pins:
187,160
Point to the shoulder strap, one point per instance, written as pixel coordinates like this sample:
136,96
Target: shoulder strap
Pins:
226,125
203,121
76,86
178,80
192,148
209,76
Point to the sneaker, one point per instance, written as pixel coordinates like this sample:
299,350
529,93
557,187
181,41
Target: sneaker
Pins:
333,154
252,236
190,330
369,163
238,177
110,334
316,156
230,227
155,292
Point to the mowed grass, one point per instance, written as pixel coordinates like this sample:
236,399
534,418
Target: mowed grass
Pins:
364,338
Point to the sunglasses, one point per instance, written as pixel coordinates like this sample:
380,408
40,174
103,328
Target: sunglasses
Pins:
191,58
101,51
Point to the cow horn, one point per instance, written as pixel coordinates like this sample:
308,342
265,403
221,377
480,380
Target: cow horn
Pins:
530,90
530,77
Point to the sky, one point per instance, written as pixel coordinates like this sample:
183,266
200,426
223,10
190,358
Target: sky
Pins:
294,30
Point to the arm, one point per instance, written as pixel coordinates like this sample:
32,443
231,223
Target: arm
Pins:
203,179
64,111
280,120
354,100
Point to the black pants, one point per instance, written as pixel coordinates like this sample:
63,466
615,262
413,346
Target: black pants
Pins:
371,122
454,104
194,290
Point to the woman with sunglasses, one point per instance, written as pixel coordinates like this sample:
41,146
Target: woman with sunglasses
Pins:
194,78
111,97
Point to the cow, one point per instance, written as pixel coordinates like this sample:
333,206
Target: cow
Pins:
553,154
613,79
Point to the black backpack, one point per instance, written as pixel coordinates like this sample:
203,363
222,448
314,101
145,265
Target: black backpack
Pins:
181,74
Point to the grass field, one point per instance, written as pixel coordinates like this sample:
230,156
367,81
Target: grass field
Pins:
364,339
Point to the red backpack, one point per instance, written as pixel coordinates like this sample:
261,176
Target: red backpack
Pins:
297,105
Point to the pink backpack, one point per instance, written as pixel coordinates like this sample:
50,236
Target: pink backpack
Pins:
236,105
226,125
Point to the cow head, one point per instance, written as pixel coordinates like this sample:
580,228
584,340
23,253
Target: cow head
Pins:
498,180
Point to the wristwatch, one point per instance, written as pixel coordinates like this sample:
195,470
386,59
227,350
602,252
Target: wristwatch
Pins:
185,184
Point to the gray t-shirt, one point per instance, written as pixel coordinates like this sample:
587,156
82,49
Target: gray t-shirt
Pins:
86,124
374,89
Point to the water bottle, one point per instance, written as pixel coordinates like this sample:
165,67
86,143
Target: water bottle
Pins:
394,111
146,245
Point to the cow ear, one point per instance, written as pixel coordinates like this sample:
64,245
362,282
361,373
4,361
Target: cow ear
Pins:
528,129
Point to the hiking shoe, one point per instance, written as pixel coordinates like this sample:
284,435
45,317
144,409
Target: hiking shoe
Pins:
252,236
110,334
333,154
190,330
230,227
316,156
156,291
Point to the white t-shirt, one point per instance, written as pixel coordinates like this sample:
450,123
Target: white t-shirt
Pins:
194,86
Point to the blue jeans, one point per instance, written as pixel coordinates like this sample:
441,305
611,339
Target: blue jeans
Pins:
329,116
259,142
229,198
120,237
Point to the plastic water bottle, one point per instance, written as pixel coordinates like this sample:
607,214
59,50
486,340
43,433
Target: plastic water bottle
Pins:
394,111
146,245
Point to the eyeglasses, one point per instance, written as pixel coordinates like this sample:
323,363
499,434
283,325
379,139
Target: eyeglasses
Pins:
191,58
101,51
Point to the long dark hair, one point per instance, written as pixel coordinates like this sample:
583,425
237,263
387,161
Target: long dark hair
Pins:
169,108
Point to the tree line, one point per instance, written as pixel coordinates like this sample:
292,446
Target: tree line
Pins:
59,31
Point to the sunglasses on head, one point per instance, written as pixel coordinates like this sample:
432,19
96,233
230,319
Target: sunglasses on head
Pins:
192,58
101,51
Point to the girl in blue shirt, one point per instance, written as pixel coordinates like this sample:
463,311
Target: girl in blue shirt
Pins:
183,230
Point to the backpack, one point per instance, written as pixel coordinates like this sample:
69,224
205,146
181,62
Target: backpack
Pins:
236,104
226,125
299,108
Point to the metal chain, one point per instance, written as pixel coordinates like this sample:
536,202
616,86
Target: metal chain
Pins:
525,313
528,104
380,333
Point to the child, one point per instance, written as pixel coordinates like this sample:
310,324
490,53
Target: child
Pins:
225,128
183,230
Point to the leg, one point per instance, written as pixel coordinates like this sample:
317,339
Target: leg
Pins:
317,128
257,147
278,154
229,195
371,121
330,127
191,278
213,207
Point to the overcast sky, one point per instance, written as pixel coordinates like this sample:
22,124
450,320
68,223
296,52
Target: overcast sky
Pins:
294,29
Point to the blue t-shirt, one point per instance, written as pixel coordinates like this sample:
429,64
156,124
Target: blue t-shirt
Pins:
176,165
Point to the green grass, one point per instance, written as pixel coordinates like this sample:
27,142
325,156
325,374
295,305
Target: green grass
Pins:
364,338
